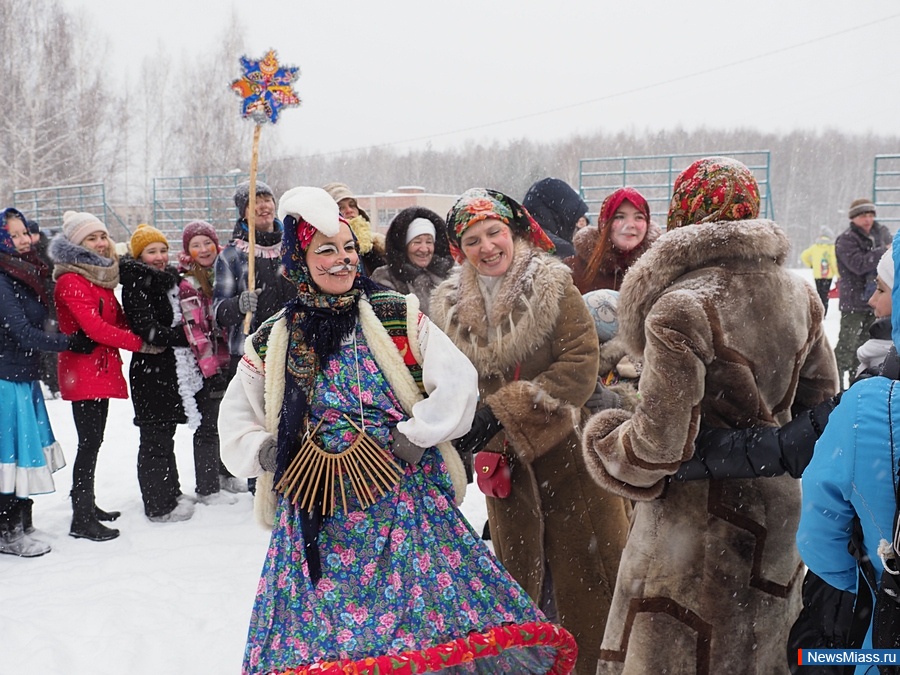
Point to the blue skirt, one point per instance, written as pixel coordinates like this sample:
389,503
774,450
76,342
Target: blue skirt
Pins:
29,453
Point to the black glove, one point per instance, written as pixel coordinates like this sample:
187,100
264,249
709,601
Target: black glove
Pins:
819,414
81,343
485,426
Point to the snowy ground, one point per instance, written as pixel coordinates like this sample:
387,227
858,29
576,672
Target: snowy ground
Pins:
162,598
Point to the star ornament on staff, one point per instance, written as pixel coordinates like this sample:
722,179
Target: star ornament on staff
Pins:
265,88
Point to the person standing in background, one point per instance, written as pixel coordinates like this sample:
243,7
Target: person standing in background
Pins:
86,273
371,243
559,210
858,250
821,258
29,453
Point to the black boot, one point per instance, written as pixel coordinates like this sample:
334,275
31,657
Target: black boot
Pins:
85,524
27,522
106,515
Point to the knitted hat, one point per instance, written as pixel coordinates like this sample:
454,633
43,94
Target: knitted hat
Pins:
886,268
711,190
338,191
33,227
143,236
77,226
195,228
859,207
242,195
420,226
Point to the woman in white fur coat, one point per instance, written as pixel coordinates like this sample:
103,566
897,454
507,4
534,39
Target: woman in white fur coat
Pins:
344,402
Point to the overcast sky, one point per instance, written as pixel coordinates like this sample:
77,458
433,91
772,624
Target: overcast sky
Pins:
409,72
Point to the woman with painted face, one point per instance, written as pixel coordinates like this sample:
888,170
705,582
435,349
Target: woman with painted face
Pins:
163,385
604,253
513,311
29,453
343,405
418,254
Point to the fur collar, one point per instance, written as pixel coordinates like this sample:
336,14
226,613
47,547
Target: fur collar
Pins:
61,250
689,248
523,315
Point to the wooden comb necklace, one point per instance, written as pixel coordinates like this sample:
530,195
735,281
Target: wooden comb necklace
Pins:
316,477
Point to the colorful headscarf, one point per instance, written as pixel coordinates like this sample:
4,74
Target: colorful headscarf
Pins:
479,204
713,189
612,203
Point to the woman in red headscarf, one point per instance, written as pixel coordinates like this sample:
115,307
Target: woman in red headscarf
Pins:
604,253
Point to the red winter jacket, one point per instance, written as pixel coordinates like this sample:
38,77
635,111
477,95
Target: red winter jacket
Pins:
94,309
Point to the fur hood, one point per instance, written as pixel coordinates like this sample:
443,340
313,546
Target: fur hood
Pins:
395,246
524,312
689,248
63,251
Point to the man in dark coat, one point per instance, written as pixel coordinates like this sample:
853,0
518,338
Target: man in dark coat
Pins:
231,299
858,250
559,211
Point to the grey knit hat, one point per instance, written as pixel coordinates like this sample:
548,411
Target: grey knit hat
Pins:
242,195
859,207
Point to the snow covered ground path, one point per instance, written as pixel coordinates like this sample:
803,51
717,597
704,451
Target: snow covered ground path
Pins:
162,598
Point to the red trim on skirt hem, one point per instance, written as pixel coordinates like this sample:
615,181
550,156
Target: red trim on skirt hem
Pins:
462,650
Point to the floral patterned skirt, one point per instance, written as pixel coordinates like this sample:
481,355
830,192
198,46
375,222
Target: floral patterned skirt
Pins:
406,587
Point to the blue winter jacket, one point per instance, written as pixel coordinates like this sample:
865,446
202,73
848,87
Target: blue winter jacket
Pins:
22,335
853,472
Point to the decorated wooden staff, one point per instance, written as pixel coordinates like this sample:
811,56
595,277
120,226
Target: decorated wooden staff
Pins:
265,88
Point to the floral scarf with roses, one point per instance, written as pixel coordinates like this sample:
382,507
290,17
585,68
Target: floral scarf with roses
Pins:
711,190
479,204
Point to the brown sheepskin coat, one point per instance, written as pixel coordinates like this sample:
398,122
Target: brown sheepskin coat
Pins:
556,518
710,577
614,264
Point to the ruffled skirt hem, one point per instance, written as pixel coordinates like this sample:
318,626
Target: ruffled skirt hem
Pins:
456,655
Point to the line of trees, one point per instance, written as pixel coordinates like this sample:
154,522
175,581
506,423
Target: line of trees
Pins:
67,123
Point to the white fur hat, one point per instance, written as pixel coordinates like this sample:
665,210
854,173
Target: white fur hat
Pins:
313,205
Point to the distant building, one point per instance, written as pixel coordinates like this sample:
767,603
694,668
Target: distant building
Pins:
383,206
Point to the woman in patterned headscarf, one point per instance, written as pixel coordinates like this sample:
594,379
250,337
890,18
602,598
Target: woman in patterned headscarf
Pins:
513,310
729,339
603,253
344,402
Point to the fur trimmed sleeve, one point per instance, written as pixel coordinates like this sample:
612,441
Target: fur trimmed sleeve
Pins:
539,413
632,456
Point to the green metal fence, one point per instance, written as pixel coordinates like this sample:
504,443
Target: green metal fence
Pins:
653,176
179,200
886,190
47,205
